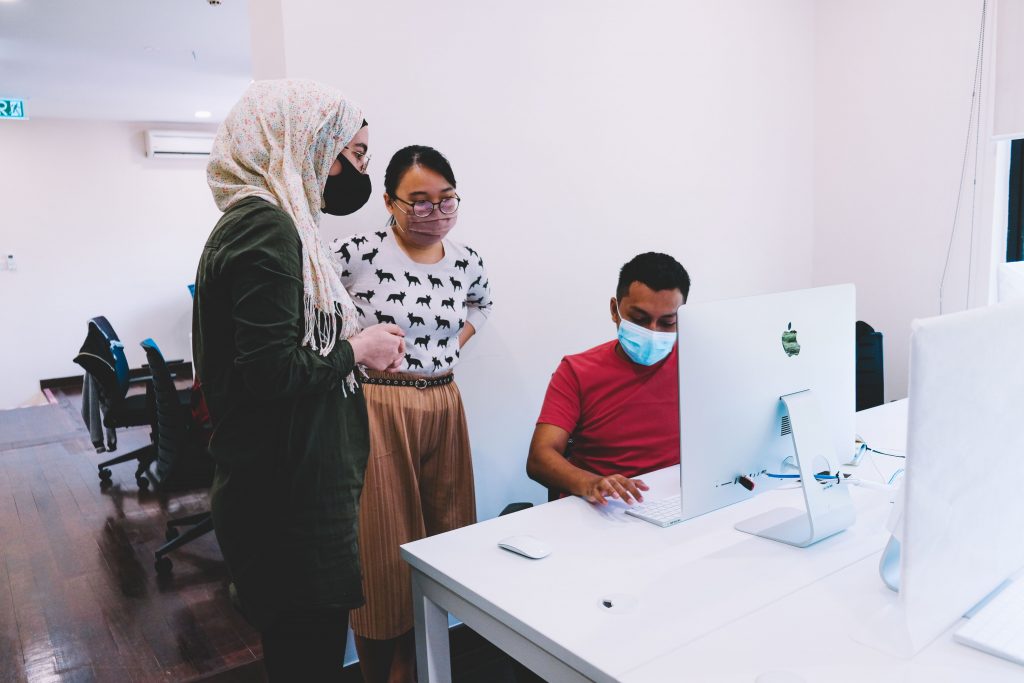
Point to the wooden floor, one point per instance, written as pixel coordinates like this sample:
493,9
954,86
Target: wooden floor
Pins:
79,597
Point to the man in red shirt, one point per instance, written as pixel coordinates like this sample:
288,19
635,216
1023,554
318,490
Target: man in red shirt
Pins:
612,413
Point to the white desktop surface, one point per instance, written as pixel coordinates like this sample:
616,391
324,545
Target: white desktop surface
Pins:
696,601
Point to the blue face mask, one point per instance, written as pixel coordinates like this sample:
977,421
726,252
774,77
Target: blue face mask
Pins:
644,346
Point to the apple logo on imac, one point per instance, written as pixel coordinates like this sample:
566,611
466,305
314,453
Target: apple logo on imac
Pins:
789,342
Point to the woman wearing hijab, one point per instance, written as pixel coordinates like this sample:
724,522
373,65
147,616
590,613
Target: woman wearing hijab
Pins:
277,343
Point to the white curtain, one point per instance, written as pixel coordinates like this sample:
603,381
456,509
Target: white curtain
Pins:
1009,69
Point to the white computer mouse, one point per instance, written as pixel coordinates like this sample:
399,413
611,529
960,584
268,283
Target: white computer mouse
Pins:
527,546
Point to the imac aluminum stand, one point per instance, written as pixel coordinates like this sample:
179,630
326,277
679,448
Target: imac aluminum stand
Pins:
829,507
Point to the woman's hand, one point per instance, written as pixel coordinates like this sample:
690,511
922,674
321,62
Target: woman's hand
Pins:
379,347
466,333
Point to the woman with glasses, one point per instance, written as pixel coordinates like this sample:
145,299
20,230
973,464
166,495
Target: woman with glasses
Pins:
419,479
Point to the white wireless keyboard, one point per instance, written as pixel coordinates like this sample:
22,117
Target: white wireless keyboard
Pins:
998,627
664,512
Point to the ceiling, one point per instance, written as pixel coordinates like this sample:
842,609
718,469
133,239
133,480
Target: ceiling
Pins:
124,60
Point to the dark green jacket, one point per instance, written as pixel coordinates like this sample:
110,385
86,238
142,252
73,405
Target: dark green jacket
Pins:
290,447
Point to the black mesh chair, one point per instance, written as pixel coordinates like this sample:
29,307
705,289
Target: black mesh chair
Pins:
870,368
102,357
181,457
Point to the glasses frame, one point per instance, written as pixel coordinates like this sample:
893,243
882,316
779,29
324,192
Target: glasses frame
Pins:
434,206
362,157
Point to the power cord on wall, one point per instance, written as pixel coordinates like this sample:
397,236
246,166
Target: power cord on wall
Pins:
973,121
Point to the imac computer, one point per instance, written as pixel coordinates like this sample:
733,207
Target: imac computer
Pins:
958,532
766,390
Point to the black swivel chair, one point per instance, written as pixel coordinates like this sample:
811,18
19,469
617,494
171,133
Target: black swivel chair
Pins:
102,356
870,368
181,458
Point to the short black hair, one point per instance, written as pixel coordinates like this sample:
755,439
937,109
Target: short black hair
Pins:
657,271
410,156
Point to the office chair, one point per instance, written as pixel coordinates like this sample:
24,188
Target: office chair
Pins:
870,369
181,458
515,507
102,357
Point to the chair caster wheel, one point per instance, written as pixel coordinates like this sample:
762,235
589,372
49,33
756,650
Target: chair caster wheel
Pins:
163,566
105,474
171,533
143,483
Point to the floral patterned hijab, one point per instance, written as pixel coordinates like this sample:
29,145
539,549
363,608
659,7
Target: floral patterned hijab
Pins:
278,143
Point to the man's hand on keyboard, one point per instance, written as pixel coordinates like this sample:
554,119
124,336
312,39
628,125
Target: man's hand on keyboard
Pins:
599,489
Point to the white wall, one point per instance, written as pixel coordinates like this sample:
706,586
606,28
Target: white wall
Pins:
892,97
581,135
766,145
97,229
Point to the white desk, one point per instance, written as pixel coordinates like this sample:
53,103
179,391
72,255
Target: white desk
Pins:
697,601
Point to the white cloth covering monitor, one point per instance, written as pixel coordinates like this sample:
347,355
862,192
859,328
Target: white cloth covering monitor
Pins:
960,532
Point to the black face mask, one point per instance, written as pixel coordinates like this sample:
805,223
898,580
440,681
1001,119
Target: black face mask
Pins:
346,192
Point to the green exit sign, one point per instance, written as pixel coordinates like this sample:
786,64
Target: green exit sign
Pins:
12,109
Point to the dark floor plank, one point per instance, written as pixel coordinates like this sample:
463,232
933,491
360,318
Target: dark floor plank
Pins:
12,661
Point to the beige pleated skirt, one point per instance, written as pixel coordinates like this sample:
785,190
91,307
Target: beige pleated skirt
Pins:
419,482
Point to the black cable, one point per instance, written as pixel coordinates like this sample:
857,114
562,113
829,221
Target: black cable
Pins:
891,455
972,122
979,83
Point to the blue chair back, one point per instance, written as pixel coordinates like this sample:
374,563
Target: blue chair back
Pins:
120,361
102,356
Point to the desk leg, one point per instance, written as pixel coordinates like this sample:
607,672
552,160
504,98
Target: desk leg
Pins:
433,656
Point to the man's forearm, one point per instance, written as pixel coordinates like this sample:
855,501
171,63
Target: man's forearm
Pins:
550,468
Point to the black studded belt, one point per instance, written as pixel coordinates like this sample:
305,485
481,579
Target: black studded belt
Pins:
419,383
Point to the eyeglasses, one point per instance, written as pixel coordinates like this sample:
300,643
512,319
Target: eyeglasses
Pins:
362,157
424,208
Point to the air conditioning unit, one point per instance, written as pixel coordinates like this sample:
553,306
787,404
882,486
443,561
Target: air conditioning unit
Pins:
178,143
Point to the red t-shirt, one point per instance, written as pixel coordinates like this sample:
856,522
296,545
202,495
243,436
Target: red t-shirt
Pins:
623,417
